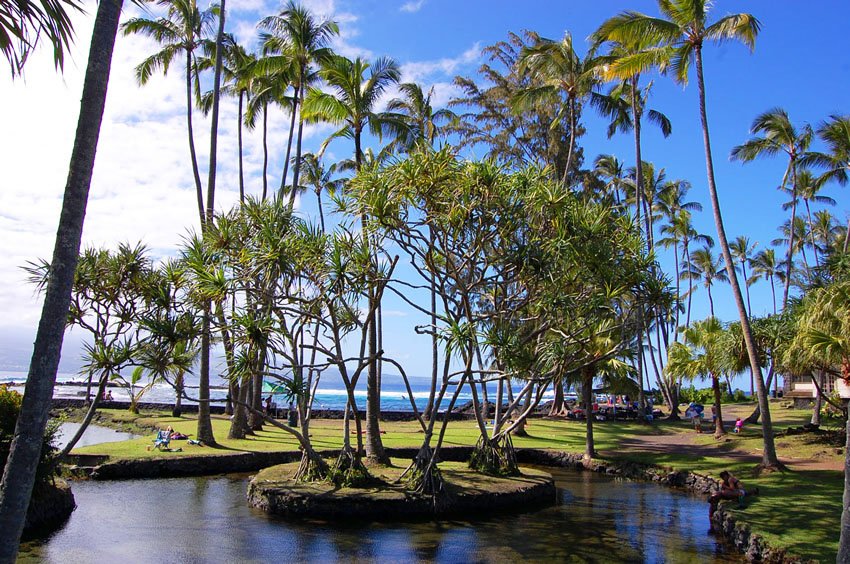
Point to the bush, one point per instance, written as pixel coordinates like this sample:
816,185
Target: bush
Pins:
10,407
705,396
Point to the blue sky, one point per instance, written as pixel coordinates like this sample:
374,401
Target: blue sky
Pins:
142,188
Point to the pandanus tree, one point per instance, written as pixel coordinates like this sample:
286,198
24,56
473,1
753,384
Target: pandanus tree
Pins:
775,134
19,471
297,40
681,34
352,104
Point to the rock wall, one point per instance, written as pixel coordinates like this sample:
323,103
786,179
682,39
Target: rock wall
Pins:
50,506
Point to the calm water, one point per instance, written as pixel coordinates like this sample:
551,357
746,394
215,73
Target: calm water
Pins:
597,519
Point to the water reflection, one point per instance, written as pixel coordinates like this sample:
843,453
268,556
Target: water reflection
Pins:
207,520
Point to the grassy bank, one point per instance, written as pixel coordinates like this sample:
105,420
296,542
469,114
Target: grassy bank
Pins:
798,509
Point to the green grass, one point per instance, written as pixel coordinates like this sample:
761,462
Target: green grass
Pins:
797,510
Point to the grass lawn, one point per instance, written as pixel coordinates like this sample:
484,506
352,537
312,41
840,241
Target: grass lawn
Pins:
797,509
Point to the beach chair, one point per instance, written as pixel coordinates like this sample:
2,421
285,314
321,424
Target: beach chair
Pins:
162,439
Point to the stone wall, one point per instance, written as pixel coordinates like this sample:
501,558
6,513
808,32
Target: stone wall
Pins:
50,506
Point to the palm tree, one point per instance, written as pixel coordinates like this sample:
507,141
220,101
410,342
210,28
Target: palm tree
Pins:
765,265
182,31
682,36
423,121
560,72
266,89
609,169
776,134
23,24
799,234
19,473
353,106
826,231
628,89
682,228
743,250
301,41
835,132
701,355
708,268
239,71
320,180
808,188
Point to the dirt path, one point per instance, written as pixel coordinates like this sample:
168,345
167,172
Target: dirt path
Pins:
684,441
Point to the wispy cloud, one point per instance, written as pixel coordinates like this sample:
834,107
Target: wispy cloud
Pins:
412,7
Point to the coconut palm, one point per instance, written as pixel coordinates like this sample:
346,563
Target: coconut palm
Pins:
742,249
181,32
563,79
775,134
765,265
835,133
320,179
353,105
298,39
826,231
24,23
630,92
239,71
424,122
808,188
681,34
19,473
682,229
266,89
799,234
708,268
701,355
609,169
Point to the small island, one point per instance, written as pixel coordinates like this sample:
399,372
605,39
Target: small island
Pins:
275,490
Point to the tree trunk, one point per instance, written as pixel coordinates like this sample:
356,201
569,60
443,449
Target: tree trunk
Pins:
587,395
297,169
239,422
25,450
790,254
818,404
205,431
282,189
265,150
241,173
769,458
719,431
177,411
843,556
87,419
558,402
199,191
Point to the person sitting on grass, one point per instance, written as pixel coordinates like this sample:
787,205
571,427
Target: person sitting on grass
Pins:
730,488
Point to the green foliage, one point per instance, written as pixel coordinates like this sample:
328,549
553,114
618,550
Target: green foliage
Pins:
494,458
705,396
10,407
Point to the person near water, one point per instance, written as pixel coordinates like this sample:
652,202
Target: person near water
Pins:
730,488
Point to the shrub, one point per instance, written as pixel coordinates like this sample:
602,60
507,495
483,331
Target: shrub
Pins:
10,407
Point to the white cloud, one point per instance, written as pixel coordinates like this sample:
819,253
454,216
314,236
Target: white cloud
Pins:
412,7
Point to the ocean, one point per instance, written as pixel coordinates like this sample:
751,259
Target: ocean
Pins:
331,393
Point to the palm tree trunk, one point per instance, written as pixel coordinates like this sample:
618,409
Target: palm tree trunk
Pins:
297,171
572,144
690,286
282,189
25,450
197,175
719,431
321,210
710,300
769,458
204,431
790,254
812,232
773,291
265,150
241,174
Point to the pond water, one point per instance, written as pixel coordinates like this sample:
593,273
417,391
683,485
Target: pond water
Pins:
93,435
596,519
